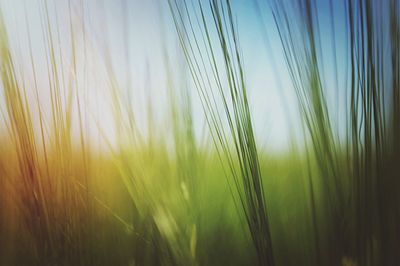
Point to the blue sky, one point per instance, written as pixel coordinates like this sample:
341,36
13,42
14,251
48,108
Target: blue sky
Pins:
137,33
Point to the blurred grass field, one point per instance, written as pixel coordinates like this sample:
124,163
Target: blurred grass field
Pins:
159,193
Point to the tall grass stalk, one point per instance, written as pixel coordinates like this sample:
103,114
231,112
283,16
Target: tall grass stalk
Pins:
225,86
360,205
48,204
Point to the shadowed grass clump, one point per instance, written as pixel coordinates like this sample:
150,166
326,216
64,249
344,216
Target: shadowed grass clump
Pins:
357,177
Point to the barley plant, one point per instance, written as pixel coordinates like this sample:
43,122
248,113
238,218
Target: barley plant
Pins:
200,132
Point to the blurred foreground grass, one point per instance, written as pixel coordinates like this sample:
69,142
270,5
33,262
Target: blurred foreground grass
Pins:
160,200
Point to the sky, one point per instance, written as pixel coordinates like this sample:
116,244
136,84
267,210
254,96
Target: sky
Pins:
138,35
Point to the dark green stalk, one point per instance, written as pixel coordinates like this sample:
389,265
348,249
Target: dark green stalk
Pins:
227,87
